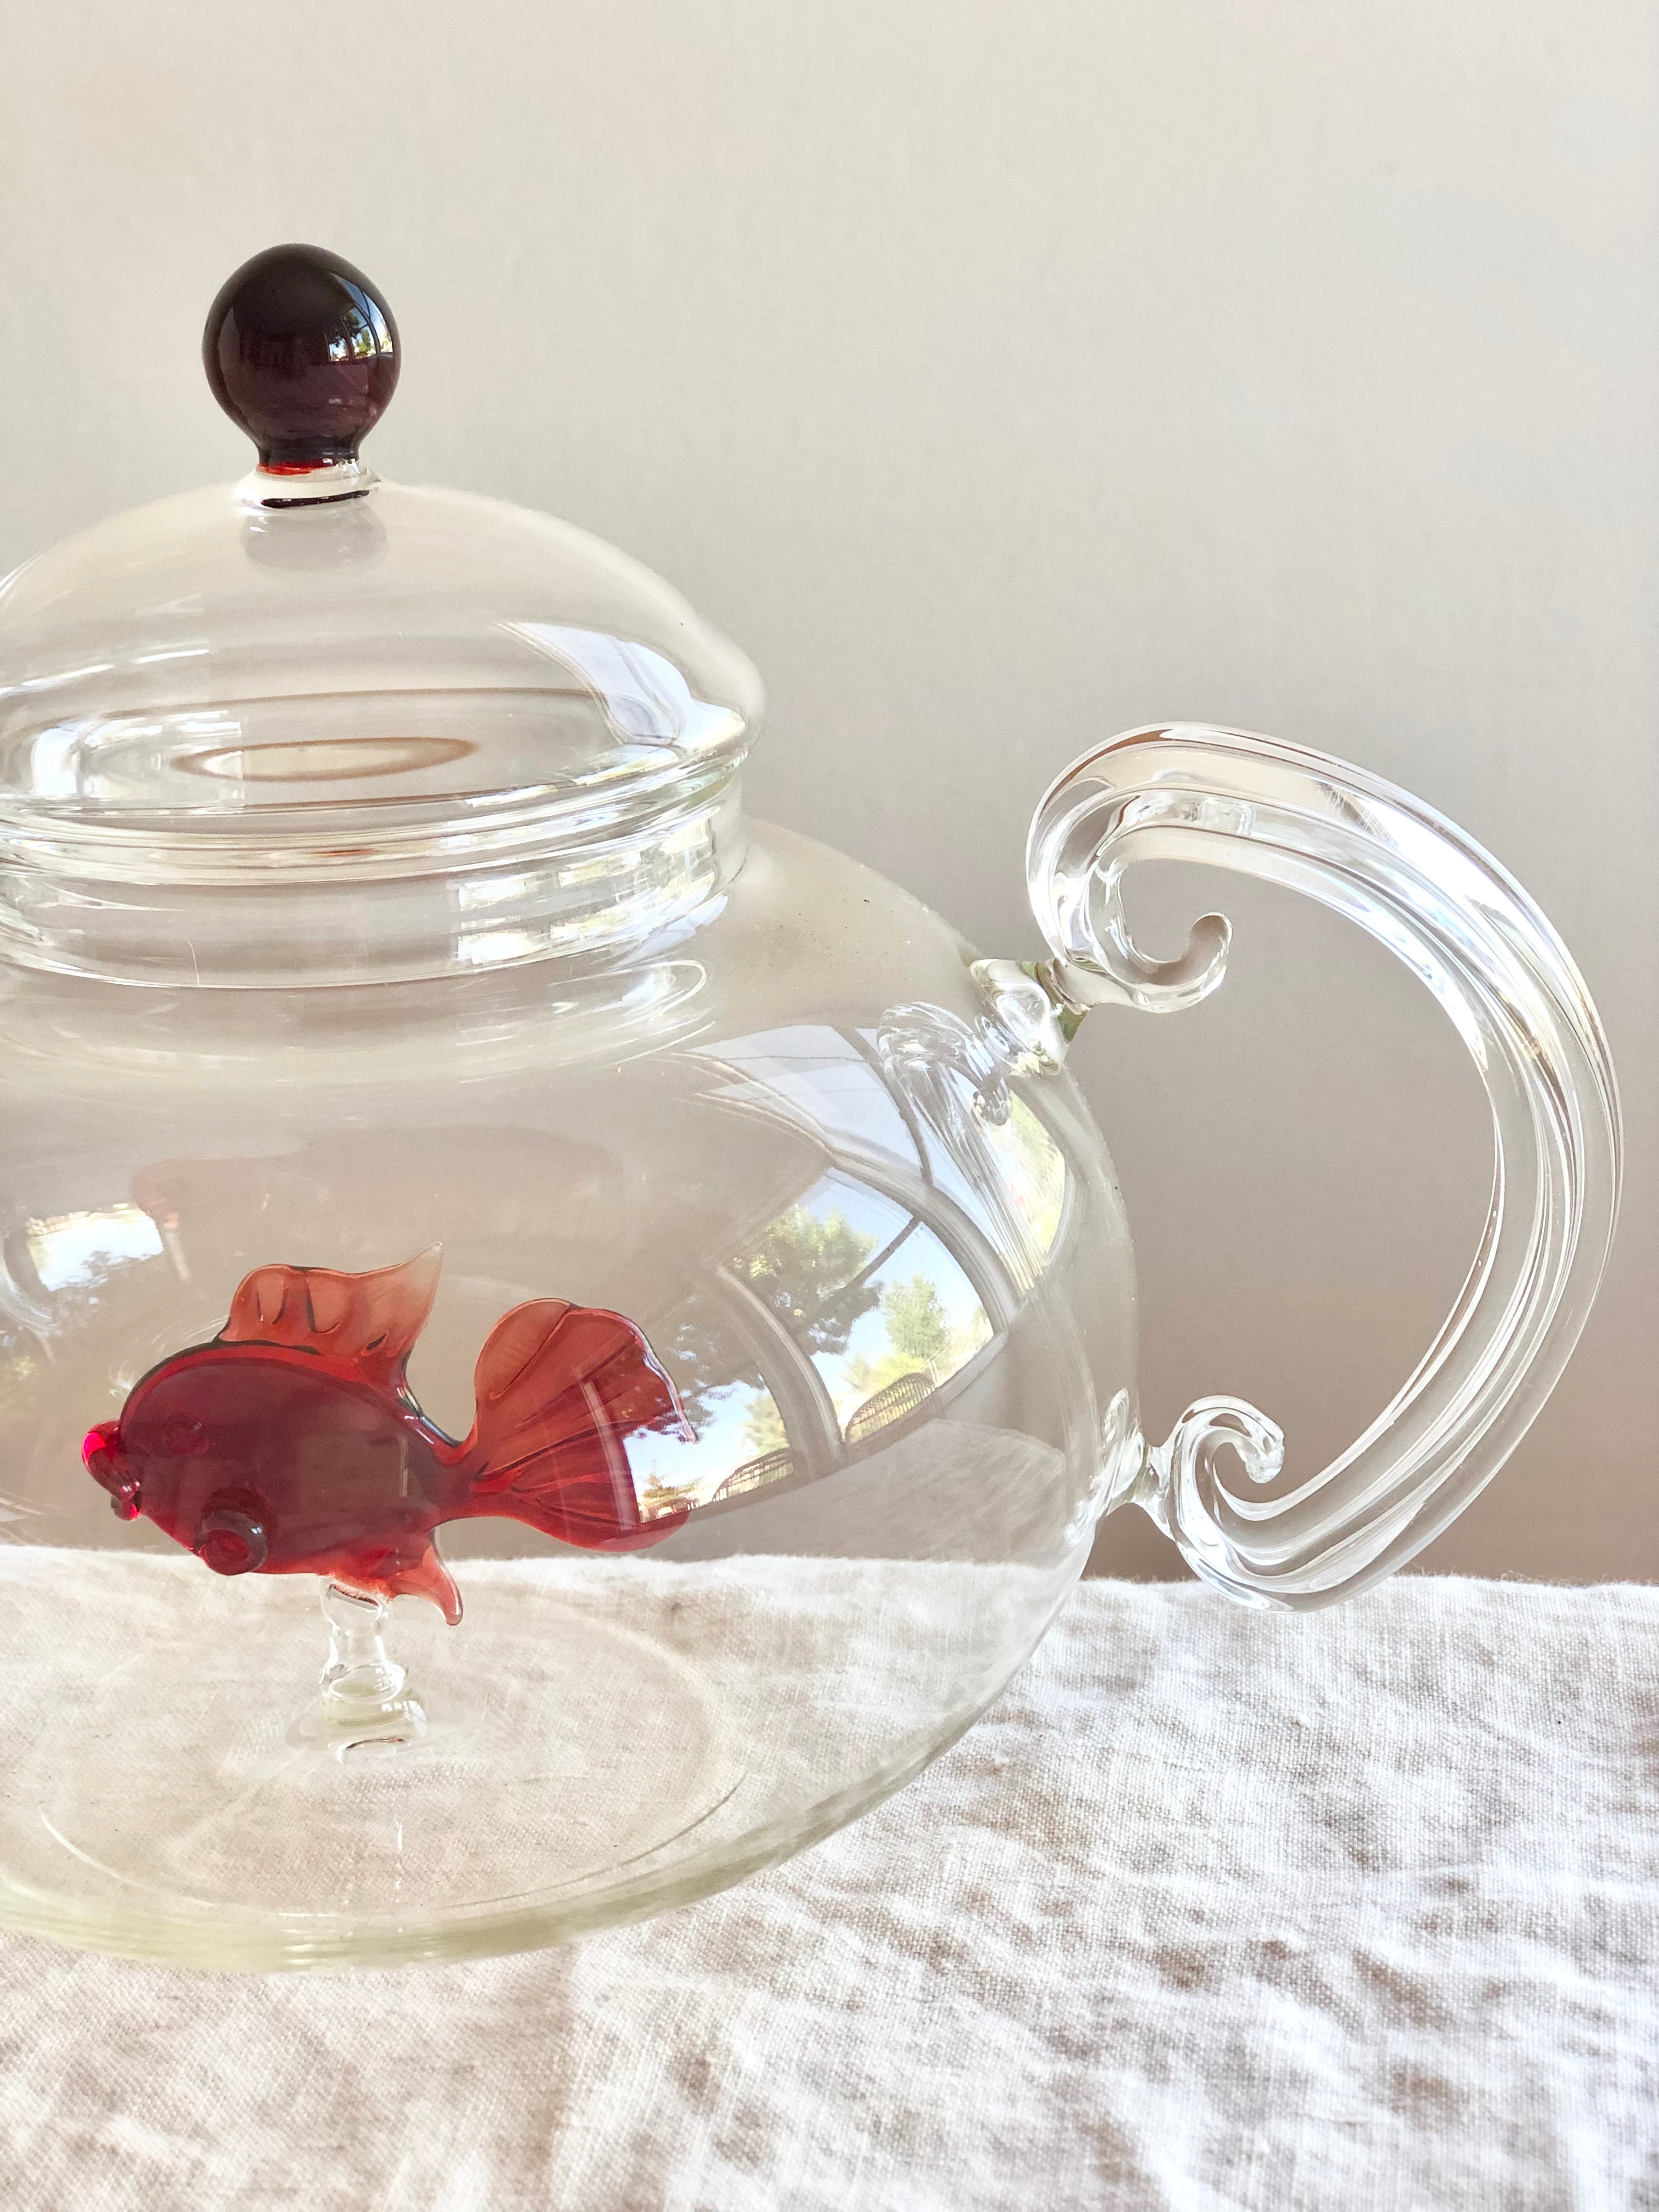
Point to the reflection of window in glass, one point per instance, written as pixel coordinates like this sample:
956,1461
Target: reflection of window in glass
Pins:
872,1295
740,1443
867,1298
863,1314
714,1368
925,1323
73,1249
811,1267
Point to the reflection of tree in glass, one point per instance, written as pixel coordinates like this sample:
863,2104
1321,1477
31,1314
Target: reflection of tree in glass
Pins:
917,1326
1036,1170
920,1340
659,1497
800,1268
704,1359
762,1426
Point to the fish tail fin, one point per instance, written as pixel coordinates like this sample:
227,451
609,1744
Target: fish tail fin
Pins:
560,1389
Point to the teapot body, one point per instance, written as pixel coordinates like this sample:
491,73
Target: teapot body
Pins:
886,1272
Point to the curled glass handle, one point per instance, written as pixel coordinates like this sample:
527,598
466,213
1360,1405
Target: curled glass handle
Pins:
1419,886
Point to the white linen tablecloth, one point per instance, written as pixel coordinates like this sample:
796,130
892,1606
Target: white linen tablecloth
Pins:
1214,1909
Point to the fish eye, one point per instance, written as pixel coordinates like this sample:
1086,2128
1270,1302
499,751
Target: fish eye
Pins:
183,1436
230,1538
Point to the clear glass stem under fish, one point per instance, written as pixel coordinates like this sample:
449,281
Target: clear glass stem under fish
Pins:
363,1685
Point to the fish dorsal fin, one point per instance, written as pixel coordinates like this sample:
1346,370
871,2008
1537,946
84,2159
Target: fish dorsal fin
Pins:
552,1373
368,1322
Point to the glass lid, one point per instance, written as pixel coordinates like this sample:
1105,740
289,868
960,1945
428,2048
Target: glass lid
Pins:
311,671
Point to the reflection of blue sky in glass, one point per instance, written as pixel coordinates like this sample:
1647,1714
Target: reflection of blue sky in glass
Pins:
698,1469
1016,1181
906,1251
879,1220
870,1343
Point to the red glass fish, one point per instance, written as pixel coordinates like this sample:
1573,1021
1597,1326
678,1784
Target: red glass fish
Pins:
291,1444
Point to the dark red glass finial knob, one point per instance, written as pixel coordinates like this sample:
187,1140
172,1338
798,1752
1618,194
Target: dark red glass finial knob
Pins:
301,352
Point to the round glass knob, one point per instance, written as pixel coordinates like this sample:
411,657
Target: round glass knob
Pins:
303,353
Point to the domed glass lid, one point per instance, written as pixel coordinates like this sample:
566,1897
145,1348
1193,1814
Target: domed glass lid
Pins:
312,663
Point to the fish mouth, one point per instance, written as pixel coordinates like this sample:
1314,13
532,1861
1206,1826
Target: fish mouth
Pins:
103,1457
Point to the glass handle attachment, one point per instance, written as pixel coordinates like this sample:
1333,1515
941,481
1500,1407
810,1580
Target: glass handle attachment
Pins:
1420,886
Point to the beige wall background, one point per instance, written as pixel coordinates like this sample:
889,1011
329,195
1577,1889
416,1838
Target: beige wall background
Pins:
1003,376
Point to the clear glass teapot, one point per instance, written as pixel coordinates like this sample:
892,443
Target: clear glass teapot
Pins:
653,1284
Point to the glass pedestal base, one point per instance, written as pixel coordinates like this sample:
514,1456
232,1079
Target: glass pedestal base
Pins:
599,1739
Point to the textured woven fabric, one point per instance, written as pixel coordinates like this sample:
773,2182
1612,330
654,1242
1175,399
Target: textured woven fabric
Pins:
1213,1909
